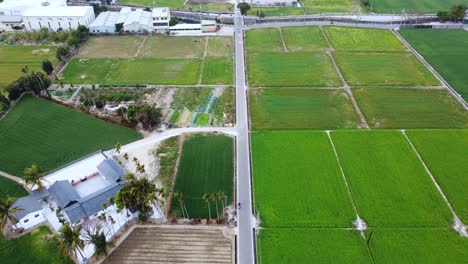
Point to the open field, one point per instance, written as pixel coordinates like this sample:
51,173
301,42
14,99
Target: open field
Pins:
362,39
180,4
206,166
290,109
220,47
331,6
176,244
262,40
35,247
277,11
374,68
180,47
446,51
110,47
445,154
38,131
304,39
297,181
410,108
425,6
11,188
14,58
291,69
291,246
388,182
218,71
418,245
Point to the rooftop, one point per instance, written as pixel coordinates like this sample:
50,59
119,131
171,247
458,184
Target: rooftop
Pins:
61,11
105,19
160,12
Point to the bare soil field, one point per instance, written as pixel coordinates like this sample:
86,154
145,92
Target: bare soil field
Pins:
176,244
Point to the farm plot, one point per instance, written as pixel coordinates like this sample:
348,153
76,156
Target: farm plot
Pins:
206,166
411,6
304,39
289,109
388,182
289,69
38,131
445,153
446,51
393,69
362,39
297,181
286,245
111,47
14,58
11,188
418,245
263,40
220,47
410,108
218,70
173,47
331,6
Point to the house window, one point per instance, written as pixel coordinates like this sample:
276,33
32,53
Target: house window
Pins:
25,221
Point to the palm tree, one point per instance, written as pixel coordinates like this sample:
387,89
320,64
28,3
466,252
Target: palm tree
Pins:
34,176
94,235
206,198
7,212
214,198
220,196
69,240
112,201
117,147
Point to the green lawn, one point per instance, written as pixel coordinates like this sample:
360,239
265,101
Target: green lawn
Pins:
304,39
173,47
445,153
38,131
11,188
446,51
388,182
290,69
206,166
373,68
38,247
293,246
262,40
110,47
297,181
410,108
289,109
363,39
14,58
418,245
218,70
132,71
425,6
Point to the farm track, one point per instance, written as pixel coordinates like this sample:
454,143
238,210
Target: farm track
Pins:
174,245
14,178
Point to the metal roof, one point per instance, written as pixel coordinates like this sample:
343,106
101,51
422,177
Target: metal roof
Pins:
29,204
160,12
110,170
108,19
139,16
60,11
63,193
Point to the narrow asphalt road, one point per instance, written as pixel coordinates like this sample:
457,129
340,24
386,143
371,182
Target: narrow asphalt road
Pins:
245,228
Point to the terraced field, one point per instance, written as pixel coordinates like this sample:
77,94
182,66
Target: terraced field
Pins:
176,244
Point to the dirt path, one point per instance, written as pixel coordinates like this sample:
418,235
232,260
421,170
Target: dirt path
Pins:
142,44
458,224
171,193
444,83
283,43
327,39
15,179
205,52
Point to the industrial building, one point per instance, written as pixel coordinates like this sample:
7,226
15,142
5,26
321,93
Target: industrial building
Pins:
55,18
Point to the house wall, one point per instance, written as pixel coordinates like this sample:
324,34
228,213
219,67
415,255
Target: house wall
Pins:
137,27
102,29
31,220
54,23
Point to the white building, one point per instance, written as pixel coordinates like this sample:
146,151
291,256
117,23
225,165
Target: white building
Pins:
17,7
273,2
104,23
161,17
54,18
138,21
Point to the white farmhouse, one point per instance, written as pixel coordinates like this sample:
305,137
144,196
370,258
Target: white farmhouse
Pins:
161,18
54,18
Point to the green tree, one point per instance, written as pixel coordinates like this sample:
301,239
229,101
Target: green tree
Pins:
7,211
206,199
174,21
443,16
244,8
34,176
457,12
95,235
47,67
69,240
62,52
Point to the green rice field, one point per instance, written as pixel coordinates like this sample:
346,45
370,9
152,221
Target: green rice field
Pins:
290,109
445,153
411,6
297,181
388,182
206,166
218,70
392,69
110,47
11,188
446,51
410,108
304,39
50,135
362,39
263,40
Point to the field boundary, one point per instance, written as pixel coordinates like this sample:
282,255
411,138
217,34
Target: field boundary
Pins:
174,177
458,224
428,66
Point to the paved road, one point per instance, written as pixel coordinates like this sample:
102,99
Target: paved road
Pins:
245,237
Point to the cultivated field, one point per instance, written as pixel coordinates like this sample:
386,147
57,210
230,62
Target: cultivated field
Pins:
289,109
206,166
445,153
152,60
312,7
362,39
172,244
410,108
11,188
304,39
446,51
205,5
38,131
388,183
425,6
297,181
14,58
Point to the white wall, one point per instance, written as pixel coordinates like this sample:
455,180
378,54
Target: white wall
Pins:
31,220
137,27
54,23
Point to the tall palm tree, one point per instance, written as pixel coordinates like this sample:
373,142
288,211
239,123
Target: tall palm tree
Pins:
214,198
69,240
34,176
220,196
94,235
206,199
7,211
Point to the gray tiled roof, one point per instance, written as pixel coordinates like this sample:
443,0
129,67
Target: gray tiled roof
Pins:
75,212
63,193
111,170
29,204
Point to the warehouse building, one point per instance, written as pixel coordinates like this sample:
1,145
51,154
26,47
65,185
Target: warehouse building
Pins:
55,18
